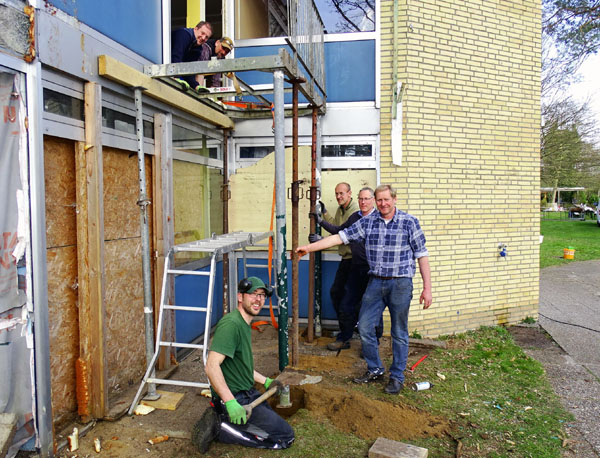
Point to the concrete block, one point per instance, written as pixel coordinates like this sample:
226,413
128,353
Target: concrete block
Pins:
8,428
386,448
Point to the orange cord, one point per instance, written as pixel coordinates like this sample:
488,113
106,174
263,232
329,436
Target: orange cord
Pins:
273,322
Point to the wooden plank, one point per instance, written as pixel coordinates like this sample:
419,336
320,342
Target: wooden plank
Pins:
90,244
163,228
123,74
168,400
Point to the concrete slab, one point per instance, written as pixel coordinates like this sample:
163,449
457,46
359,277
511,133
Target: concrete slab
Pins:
386,448
8,428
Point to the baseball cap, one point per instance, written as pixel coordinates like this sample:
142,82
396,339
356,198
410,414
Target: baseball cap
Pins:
227,43
255,283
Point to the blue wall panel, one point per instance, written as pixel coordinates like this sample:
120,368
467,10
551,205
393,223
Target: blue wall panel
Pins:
349,69
136,24
192,291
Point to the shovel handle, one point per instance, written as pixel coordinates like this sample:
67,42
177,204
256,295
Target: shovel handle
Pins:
263,397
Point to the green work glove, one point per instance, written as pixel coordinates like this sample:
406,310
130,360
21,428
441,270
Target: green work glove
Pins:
270,382
237,414
185,86
201,89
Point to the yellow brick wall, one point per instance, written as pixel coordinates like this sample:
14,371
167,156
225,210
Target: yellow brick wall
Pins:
470,167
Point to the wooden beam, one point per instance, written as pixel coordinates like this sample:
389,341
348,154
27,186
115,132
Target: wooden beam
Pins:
123,74
92,371
162,167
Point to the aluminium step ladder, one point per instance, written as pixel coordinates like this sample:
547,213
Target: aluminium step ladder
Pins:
217,245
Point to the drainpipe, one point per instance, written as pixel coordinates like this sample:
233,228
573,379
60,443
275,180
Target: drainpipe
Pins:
225,200
280,232
143,203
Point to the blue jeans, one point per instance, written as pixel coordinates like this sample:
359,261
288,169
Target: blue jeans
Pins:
395,294
264,429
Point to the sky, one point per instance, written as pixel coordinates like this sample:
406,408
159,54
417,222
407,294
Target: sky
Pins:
589,86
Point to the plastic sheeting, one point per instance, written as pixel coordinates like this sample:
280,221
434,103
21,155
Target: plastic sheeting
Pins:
16,340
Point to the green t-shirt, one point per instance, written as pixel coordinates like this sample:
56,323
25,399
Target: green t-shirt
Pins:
233,339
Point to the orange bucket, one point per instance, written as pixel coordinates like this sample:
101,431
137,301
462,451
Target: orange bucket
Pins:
569,253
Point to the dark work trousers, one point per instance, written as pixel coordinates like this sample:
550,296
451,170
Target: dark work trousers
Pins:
356,284
338,288
264,429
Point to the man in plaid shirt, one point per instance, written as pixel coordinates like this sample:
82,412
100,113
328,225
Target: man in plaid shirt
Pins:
393,241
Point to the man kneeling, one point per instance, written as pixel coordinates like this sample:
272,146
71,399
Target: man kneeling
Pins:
230,370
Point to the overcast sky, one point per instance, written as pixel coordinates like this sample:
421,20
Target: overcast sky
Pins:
590,84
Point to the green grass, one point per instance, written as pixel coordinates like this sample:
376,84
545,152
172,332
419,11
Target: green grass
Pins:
584,236
497,399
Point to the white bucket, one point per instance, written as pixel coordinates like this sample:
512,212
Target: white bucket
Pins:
541,239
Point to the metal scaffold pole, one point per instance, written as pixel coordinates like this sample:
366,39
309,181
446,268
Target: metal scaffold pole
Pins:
280,233
143,203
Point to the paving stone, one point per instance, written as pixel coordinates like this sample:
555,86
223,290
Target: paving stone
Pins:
386,448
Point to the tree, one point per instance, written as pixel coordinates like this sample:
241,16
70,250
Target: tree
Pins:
571,32
568,155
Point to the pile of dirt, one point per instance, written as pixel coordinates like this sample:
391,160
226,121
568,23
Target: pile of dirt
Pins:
352,412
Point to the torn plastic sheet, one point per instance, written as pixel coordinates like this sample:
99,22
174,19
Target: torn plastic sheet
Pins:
17,393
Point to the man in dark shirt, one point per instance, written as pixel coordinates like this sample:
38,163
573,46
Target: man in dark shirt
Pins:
219,49
186,46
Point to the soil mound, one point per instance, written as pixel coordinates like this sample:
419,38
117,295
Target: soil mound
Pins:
370,418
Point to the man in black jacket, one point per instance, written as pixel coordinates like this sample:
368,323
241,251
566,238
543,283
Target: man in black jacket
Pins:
358,277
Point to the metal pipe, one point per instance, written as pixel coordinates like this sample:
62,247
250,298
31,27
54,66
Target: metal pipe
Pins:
280,233
225,200
313,227
143,203
318,255
41,333
295,200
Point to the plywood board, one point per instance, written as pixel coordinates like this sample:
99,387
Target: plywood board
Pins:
121,193
59,180
125,343
168,400
64,329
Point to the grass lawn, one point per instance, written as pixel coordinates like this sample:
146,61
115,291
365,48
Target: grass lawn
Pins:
497,400
584,236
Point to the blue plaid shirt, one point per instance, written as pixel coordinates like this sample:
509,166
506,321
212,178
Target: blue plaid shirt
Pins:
391,247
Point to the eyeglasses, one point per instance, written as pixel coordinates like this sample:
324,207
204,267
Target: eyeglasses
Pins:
257,295
362,199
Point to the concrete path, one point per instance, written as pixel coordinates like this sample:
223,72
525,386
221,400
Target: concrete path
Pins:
570,313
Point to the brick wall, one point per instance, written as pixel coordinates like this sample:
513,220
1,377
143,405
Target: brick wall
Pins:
470,153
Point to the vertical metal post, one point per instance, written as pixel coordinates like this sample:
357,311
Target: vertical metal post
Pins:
225,200
318,255
280,232
143,203
313,228
295,200
41,332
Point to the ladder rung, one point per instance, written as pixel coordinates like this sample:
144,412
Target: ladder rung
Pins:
165,381
257,265
185,307
179,345
187,272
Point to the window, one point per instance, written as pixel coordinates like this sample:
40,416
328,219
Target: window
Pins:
347,151
343,16
125,123
62,105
